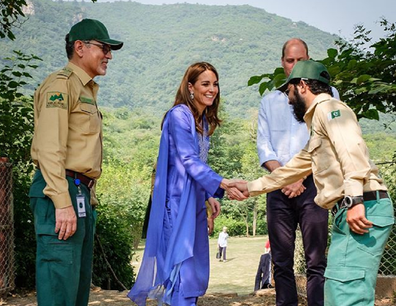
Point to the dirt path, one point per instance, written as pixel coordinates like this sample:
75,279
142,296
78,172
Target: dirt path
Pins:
116,298
230,284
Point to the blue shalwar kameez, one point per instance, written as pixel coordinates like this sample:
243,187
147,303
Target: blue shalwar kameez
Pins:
175,266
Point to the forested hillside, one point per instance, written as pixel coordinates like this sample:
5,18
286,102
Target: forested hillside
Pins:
161,41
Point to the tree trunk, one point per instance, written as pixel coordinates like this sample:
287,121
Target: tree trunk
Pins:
255,208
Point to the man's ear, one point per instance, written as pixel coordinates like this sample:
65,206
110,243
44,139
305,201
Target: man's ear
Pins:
79,48
304,87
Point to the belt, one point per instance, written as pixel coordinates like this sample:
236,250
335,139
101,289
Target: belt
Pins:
367,196
87,181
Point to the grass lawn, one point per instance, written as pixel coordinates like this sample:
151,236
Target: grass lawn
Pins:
238,273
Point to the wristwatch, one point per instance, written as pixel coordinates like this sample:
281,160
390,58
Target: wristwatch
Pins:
352,201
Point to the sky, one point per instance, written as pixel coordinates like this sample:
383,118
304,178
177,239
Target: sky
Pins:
335,16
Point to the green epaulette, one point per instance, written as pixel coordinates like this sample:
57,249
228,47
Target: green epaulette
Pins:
64,73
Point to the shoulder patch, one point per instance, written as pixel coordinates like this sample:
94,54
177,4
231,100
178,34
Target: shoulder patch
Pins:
65,73
56,99
87,100
334,114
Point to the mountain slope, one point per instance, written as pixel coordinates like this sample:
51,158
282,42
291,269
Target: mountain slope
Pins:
160,43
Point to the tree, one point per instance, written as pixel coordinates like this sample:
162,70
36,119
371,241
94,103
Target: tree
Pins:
10,16
363,72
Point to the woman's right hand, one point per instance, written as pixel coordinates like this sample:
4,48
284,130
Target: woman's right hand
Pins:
235,189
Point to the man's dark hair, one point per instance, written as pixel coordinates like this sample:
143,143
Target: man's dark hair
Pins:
69,47
289,41
315,86
318,87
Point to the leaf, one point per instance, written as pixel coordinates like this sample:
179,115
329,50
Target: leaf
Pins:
371,114
255,80
279,79
363,78
380,89
263,87
332,53
17,73
13,84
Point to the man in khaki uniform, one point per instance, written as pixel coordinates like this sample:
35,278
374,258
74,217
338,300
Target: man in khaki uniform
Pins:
346,180
67,150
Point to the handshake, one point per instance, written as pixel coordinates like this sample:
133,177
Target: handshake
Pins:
236,189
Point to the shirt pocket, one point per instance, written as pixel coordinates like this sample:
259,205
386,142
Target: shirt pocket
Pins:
314,148
90,118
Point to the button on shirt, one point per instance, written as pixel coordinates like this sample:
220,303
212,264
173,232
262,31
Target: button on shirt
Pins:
279,135
67,130
335,153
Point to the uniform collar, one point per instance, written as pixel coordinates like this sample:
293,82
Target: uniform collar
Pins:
311,110
82,75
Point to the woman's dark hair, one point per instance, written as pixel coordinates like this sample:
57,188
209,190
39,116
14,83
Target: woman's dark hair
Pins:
183,97
69,47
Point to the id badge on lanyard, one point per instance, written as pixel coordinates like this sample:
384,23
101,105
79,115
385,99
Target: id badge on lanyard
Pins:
80,199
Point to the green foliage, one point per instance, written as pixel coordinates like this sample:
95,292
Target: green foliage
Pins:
235,227
16,131
123,191
161,41
10,16
365,76
144,77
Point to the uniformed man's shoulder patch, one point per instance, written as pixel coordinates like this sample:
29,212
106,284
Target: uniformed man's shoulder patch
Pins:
57,99
334,114
64,73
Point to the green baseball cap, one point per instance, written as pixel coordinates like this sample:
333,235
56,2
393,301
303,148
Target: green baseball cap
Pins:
91,29
307,70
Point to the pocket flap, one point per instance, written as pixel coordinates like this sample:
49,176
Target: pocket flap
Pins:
313,144
382,221
344,274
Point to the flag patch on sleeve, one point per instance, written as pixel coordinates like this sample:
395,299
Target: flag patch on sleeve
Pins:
57,100
334,114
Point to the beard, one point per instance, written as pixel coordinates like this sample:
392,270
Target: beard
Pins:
298,106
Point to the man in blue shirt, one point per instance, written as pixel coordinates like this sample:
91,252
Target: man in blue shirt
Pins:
279,137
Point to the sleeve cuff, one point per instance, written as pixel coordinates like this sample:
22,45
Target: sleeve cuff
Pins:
61,200
255,187
353,188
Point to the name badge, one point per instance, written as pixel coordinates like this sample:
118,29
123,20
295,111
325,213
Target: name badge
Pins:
81,206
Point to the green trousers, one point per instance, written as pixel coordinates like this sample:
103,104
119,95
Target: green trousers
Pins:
63,267
353,259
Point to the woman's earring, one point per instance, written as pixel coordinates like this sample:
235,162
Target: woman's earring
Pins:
191,95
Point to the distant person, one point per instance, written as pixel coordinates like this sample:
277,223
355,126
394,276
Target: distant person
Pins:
222,244
279,137
263,275
347,182
67,151
175,265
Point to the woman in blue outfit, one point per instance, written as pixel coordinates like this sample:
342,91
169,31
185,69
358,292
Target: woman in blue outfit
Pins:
175,266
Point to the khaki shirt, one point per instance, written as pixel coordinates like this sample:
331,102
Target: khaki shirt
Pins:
67,130
336,154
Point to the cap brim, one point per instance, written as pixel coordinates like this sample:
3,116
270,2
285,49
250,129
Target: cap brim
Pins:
114,44
283,87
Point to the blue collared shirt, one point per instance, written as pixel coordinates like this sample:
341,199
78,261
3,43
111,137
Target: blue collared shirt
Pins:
279,135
